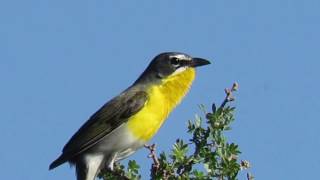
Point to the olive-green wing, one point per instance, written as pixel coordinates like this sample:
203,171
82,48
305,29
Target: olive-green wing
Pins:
105,120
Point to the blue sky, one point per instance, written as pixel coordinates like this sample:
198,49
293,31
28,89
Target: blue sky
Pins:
61,60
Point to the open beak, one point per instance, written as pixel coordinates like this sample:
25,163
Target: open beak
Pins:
195,62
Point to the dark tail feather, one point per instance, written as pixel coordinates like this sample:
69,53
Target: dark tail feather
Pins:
62,159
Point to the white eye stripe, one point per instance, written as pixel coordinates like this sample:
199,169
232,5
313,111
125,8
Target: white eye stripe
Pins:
181,56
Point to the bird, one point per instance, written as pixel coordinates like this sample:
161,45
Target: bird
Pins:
128,121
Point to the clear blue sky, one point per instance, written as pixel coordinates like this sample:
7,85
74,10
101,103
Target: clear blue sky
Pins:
61,60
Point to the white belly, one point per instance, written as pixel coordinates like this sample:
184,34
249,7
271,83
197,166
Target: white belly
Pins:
120,142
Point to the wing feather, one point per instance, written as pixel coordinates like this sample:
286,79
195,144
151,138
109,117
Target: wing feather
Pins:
104,121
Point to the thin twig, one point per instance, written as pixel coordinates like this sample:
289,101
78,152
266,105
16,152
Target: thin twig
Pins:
153,155
229,96
249,176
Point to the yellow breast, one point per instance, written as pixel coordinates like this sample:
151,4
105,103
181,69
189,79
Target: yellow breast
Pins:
163,98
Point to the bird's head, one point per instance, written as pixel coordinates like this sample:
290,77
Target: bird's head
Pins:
169,64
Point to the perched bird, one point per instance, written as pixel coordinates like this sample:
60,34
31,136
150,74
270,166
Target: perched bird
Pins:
129,120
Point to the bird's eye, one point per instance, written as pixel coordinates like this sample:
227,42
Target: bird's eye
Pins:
175,61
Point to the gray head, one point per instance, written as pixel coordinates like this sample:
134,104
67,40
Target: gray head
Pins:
169,63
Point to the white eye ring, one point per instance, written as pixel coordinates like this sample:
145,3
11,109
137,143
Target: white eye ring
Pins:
174,61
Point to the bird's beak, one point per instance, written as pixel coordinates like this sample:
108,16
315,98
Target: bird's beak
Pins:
195,62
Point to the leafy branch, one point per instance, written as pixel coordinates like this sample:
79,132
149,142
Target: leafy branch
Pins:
207,155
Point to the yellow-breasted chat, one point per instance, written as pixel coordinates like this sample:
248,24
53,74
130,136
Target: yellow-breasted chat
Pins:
129,120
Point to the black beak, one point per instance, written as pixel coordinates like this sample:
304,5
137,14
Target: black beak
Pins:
195,62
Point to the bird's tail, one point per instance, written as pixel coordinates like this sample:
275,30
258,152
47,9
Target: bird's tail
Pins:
60,160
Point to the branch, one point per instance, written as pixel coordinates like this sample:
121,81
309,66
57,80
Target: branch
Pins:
229,96
153,155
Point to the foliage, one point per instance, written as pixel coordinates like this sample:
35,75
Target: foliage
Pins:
207,155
